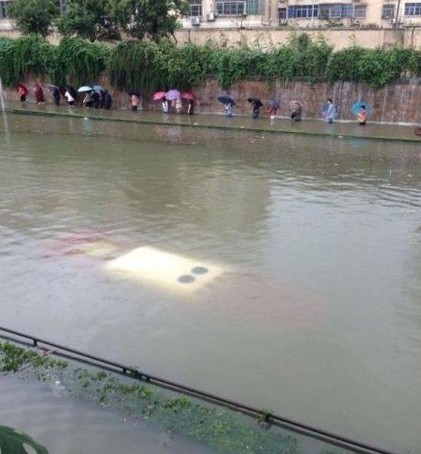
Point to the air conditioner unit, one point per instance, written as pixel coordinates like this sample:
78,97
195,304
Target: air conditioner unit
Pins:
210,17
195,21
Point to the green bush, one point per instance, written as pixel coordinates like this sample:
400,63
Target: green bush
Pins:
7,61
78,61
151,67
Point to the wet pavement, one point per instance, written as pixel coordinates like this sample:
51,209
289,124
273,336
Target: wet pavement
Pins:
311,127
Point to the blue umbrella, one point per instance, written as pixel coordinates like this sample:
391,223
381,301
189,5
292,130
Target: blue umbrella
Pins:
226,100
357,106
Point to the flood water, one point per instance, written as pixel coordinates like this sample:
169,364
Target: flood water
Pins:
277,270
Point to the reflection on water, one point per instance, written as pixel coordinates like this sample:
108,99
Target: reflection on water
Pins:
317,313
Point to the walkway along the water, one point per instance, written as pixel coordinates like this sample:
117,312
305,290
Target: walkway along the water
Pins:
311,128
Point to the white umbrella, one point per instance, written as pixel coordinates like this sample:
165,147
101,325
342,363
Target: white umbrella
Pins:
84,89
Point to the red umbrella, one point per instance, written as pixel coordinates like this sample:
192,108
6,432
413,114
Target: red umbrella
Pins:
187,95
158,95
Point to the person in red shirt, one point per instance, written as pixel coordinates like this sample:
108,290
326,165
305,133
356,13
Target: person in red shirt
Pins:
39,94
22,92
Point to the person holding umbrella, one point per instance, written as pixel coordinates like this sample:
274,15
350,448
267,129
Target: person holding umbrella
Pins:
135,99
256,104
56,96
296,110
361,110
189,97
39,94
362,116
55,93
69,96
108,100
229,109
228,103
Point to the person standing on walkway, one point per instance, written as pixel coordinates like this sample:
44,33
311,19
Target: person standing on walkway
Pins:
330,111
362,115
178,105
22,92
39,94
69,97
229,109
135,101
55,92
296,110
256,105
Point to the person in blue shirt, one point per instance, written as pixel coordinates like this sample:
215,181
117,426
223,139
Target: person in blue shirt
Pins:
330,111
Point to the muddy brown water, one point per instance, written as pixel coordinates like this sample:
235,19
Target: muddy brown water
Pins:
311,303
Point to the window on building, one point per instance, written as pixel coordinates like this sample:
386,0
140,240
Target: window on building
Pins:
388,11
335,11
230,8
282,15
195,7
360,11
252,6
347,10
3,9
302,11
324,12
412,9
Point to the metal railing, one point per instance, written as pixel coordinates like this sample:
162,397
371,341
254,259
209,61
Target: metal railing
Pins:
132,372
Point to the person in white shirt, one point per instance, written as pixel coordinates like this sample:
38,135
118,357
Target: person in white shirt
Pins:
69,98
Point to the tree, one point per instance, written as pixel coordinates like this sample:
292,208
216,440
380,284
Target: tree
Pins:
152,19
90,19
33,16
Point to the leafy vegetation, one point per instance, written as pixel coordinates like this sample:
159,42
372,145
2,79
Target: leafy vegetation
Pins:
151,66
107,19
151,19
78,62
33,16
89,19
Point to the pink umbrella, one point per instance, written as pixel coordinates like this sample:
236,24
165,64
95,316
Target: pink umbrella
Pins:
187,95
158,95
172,94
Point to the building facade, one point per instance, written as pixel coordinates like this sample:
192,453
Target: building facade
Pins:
319,14
303,13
